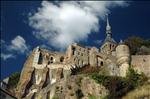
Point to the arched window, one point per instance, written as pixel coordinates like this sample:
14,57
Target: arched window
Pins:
51,59
62,59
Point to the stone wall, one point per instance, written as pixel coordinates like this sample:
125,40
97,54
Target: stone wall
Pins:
141,63
107,47
25,76
43,66
37,72
77,55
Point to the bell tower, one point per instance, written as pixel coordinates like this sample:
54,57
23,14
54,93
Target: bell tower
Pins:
109,43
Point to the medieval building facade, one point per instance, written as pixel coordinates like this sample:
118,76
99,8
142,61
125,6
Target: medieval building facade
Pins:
44,67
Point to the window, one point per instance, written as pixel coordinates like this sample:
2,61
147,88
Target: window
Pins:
110,46
40,59
101,63
48,62
113,46
73,51
61,59
51,59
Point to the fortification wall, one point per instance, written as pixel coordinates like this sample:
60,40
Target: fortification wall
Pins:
141,63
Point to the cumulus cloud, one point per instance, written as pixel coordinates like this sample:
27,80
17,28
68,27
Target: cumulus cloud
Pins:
18,46
66,22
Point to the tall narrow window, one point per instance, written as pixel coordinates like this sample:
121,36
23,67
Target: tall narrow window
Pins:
73,51
101,63
110,46
51,60
40,59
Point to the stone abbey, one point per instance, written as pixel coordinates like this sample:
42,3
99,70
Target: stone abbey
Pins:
44,68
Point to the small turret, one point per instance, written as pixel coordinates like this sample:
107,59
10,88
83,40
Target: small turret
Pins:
123,58
36,52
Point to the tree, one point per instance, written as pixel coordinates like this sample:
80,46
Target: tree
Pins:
13,80
135,44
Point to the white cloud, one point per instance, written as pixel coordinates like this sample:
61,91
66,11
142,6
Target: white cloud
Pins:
7,56
18,44
2,41
69,21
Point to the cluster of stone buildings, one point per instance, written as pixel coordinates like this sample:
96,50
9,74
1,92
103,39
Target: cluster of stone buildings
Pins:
44,67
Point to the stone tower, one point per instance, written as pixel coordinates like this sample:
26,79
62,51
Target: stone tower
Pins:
123,58
109,44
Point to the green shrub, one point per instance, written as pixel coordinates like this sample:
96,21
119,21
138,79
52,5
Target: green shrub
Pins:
91,97
13,80
55,97
119,86
135,78
135,43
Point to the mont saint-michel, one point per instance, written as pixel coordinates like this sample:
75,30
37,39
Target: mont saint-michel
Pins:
46,73
112,70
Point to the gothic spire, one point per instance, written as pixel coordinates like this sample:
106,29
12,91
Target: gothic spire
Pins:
108,27
108,32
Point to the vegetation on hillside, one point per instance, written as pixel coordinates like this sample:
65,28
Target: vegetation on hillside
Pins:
13,80
119,86
138,45
141,92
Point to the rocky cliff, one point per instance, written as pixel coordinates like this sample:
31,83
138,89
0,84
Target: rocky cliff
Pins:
75,87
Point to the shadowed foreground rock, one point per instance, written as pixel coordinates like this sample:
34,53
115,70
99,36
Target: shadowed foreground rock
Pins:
142,92
75,87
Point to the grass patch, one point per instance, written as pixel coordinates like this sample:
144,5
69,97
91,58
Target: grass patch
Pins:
91,97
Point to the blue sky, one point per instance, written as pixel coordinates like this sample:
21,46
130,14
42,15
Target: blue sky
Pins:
25,25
